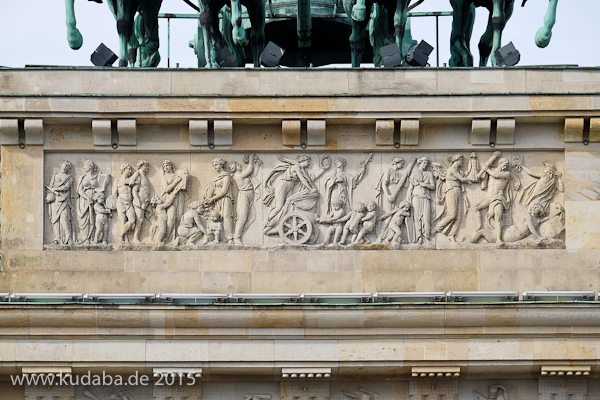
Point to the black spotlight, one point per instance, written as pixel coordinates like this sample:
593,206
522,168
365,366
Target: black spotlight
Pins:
225,58
418,55
103,56
271,55
508,55
391,56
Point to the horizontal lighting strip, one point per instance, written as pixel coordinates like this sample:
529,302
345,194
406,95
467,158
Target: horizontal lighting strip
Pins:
302,298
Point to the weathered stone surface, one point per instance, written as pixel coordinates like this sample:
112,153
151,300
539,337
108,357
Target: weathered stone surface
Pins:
582,174
583,231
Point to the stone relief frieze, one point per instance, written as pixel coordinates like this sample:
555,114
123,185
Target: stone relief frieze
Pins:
342,201
361,394
112,392
496,392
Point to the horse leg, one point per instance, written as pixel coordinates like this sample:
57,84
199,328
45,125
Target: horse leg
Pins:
498,24
205,29
378,30
357,37
256,13
124,14
400,17
462,26
359,11
226,22
485,44
73,35
150,55
239,33
357,44
544,34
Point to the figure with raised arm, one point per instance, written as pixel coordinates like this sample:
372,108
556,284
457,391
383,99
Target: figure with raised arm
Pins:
124,198
544,188
290,185
142,194
246,186
341,184
497,198
449,220
391,182
527,226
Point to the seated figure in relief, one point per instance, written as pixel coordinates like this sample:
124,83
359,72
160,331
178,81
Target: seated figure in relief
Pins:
191,228
158,229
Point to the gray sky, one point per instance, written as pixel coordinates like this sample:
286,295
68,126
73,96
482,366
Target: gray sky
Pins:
33,32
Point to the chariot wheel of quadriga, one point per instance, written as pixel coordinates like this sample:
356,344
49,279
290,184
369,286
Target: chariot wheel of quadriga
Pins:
295,228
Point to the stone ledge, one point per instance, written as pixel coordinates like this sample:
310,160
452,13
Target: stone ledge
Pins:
297,320
286,82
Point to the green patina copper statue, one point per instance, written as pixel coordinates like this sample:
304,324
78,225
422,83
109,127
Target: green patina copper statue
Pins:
124,12
211,37
221,24
544,34
500,12
394,11
379,33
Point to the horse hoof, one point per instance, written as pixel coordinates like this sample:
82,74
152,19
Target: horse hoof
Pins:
358,12
75,40
239,36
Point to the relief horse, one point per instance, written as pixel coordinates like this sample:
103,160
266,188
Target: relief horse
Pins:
124,12
500,12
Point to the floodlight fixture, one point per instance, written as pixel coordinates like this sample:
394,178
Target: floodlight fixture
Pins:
335,298
263,298
418,55
22,297
225,58
119,297
409,297
271,55
530,295
482,297
103,56
191,298
391,56
507,55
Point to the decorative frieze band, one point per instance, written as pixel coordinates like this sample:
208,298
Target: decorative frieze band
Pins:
358,201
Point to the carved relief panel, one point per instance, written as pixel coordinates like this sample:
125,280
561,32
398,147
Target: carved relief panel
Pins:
338,201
